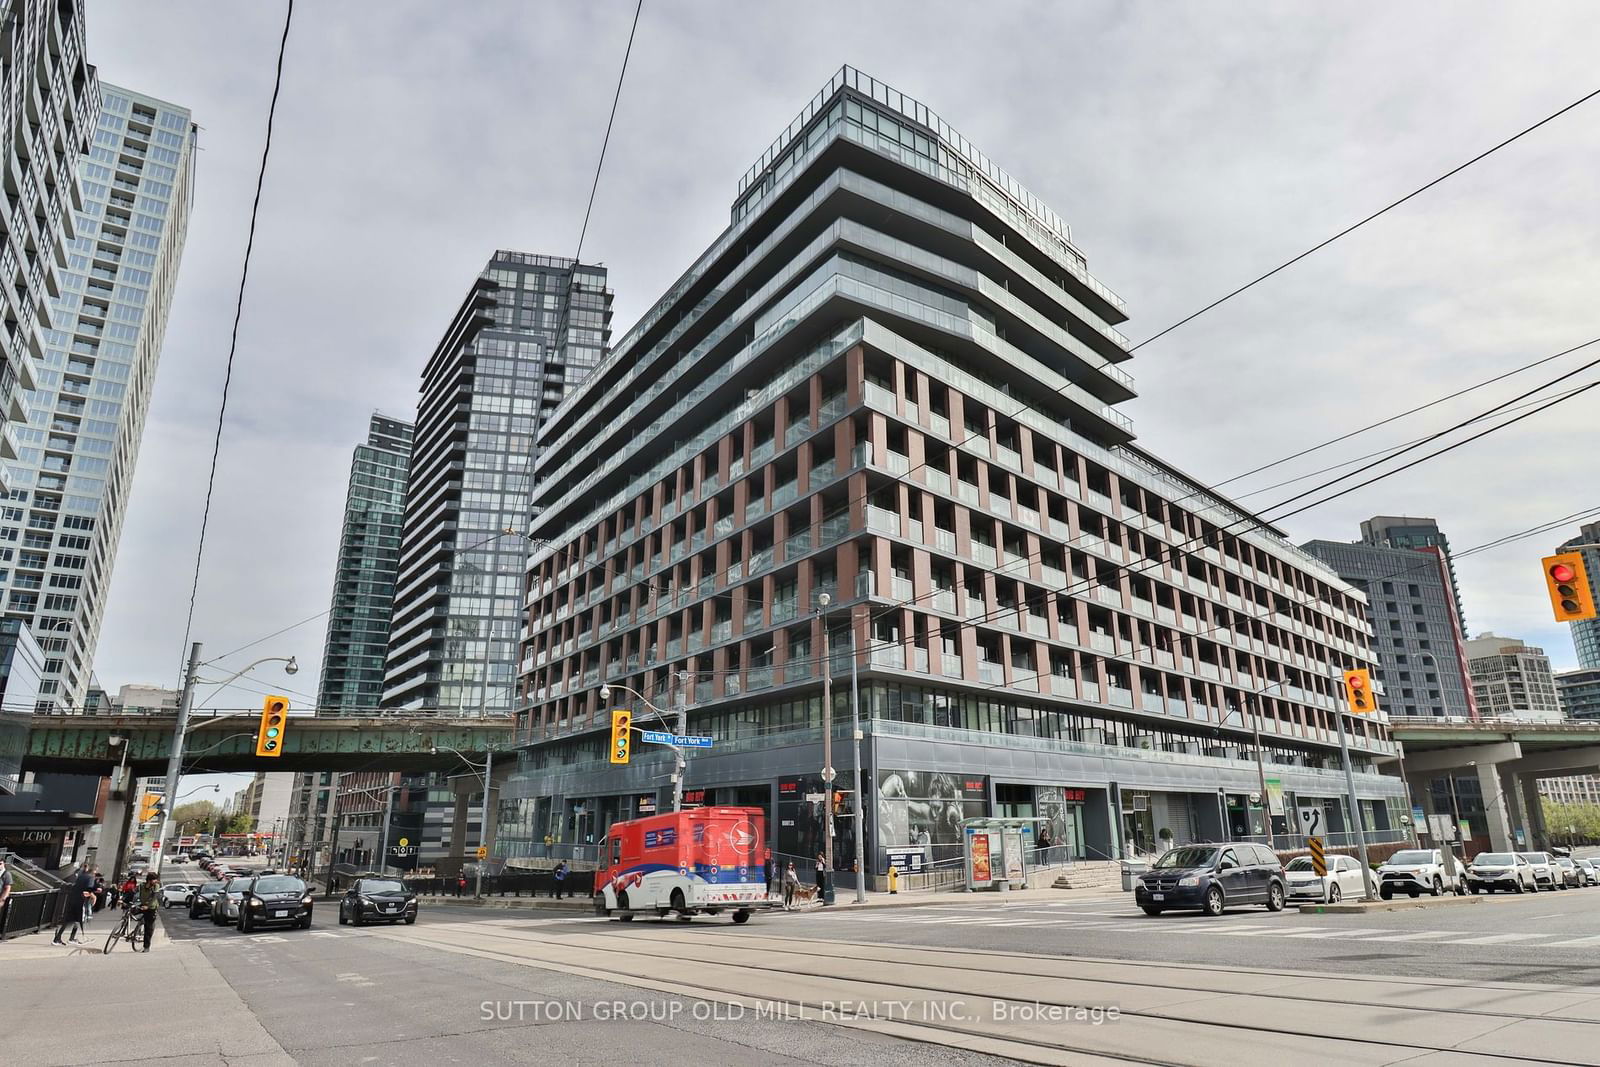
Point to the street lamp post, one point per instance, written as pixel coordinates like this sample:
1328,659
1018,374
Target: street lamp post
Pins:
860,789
180,731
1355,809
1261,770
680,728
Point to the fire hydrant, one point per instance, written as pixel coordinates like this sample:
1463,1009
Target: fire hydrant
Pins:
894,880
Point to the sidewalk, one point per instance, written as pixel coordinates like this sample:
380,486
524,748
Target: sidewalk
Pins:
77,1006
39,946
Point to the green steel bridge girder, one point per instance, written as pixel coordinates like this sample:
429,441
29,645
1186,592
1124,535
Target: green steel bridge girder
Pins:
83,743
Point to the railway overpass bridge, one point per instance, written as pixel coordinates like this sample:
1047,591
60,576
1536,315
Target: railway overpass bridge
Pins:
81,744
1508,756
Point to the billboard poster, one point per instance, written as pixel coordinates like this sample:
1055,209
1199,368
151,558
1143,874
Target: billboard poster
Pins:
1275,797
982,870
924,809
1013,854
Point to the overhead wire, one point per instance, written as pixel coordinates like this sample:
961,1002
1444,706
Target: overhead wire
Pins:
233,342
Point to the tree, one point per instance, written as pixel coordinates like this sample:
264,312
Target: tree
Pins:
239,822
194,817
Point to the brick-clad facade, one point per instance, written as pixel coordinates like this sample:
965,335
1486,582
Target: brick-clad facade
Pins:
893,380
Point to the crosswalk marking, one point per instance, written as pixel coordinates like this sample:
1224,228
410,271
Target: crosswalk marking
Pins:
1420,935
1494,939
1259,930
1339,932
1593,940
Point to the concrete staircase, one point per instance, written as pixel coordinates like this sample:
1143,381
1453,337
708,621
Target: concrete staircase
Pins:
1089,874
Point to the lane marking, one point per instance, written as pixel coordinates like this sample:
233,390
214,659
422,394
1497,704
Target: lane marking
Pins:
1592,940
1420,935
1494,939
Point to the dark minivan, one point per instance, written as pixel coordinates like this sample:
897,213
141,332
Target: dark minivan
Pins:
1212,877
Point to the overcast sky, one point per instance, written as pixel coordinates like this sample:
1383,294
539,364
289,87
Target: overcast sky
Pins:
1189,147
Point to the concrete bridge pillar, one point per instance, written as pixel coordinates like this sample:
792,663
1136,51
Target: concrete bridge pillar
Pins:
1511,798
458,831
1538,835
1495,809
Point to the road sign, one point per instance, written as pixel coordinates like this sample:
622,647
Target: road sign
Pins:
1319,862
816,798
655,737
1311,821
827,774
483,852
661,737
692,741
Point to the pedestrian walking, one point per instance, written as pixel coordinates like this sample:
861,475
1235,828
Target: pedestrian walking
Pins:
77,897
100,890
822,879
561,879
149,901
5,883
791,883
461,884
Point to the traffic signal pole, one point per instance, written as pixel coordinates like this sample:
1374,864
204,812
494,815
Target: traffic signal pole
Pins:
1355,811
175,758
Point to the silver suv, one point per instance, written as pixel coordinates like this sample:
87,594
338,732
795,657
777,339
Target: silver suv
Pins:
1416,871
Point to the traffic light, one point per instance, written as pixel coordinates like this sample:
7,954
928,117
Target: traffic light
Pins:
150,807
1568,580
621,742
1358,692
274,721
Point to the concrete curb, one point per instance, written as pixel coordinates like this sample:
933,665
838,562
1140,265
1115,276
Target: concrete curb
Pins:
1361,907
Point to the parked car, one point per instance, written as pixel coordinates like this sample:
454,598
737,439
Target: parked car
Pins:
175,894
1591,874
225,906
273,900
1415,871
202,898
1567,873
1544,869
377,900
1491,871
1342,880
1211,878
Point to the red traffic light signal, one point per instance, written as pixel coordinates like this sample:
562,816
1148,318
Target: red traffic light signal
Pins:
1358,693
1567,580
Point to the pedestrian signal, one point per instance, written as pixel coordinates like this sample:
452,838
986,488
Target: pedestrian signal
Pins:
1358,692
1571,597
274,721
621,741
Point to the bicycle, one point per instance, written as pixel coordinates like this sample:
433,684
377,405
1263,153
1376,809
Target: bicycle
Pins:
129,928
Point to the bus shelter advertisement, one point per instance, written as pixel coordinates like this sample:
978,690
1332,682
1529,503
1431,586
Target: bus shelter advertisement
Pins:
923,809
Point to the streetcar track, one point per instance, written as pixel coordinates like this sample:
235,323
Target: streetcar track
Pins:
632,950
810,950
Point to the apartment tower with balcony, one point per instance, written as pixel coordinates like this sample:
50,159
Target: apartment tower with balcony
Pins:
71,478
893,380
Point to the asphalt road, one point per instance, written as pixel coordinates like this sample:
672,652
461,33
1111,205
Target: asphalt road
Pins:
1545,937
342,995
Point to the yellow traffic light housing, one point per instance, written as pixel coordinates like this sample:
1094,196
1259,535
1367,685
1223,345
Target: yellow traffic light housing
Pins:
621,741
1571,597
1358,692
274,723
149,807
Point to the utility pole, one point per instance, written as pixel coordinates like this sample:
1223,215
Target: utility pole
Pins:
175,758
483,820
1355,809
683,731
388,816
827,739
860,788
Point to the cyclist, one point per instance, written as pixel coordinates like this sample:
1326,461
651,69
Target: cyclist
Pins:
149,901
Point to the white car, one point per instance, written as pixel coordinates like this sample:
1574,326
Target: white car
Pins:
1591,875
175,894
1501,870
1414,871
1545,875
1342,880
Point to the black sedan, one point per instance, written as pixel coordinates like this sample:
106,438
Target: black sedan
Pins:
378,900
203,897
274,900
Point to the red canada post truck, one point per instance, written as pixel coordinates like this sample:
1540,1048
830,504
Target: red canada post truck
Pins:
699,861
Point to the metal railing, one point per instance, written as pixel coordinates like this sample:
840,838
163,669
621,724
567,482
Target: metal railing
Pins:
29,912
